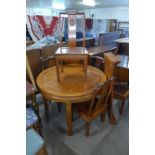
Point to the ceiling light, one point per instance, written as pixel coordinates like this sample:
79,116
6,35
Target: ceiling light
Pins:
58,5
89,2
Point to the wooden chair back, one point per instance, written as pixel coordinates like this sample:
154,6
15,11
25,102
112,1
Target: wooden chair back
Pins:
28,69
72,15
35,62
101,91
121,74
110,60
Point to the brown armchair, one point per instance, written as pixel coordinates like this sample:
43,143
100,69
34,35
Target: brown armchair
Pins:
96,106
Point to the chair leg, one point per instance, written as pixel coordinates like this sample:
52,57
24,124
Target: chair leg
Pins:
46,109
59,106
87,128
45,151
37,127
122,107
61,66
42,151
103,115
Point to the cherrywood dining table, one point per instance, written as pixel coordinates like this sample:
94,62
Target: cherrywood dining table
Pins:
71,89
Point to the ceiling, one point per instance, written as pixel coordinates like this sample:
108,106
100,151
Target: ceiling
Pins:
74,4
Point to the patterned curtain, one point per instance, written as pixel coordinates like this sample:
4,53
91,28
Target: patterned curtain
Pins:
41,26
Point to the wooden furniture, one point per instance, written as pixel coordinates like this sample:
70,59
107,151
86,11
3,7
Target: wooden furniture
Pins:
121,85
112,25
110,61
30,88
47,57
97,105
117,66
71,89
98,61
123,42
32,121
72,15
71,54
99,50
30,91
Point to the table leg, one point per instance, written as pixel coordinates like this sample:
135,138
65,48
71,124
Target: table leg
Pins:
69,118
46,108
57,70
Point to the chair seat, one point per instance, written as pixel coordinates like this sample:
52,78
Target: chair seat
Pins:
31,117
33,142
121,90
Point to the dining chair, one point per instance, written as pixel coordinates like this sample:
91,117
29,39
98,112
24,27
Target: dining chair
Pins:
47,56
32,121
35,144
30,92
98,61
108,66
121,85
96,106
33,85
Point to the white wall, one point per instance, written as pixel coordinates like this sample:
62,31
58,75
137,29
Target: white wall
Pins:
120,13
41,11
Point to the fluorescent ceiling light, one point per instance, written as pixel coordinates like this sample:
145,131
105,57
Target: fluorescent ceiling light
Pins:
89,2
58,5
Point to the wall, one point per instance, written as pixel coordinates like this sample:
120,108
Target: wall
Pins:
41,11
120,13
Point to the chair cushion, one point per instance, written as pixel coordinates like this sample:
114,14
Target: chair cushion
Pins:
30,89
33,142
31,117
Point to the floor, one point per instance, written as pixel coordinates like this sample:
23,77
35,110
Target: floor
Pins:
103,140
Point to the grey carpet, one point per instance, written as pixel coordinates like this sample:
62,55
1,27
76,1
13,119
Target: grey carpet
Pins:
107,139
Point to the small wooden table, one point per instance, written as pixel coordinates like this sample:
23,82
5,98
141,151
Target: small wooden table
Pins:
72,88
100,49
71,54
122,41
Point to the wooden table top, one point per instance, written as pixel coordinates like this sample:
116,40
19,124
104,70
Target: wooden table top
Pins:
100,49
72,87
122,40
68,50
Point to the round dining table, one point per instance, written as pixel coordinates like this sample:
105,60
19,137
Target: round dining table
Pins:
72,88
